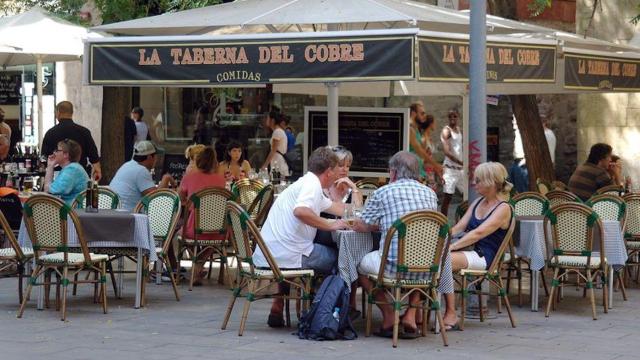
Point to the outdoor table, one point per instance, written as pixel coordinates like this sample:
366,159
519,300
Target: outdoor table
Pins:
532,244
117,229
353,246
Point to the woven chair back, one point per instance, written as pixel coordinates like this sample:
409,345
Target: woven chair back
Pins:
462,209
557,197
572,229
246,191
262,204
107,199
422,236
46,221
611,190
494,267
609,207
209,206
367,183
632,225
8,233
529,204
162,207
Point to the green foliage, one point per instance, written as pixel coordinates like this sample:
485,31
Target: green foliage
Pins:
537,7
636,19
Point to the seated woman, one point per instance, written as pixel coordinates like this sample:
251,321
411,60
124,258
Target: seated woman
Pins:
343,187
483,226
191,153
234,167
202,177
72,179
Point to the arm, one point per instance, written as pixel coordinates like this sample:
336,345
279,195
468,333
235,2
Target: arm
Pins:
96,171
495,221
48,176
343,184
336,208
464,220
246,167
361,226
417,147
307,216
272,153
167,181
446,147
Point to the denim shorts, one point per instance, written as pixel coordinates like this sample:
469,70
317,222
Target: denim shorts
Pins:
323,259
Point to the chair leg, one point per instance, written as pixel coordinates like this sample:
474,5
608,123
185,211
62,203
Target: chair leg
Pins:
34,274
592,294
58,292
544,282
103,285
21,275
519,276
363,300
463,302
480,309
552,291
234,295
501,293
145,270
65,282
621,282
443,330
367,329
247,304
47,287
172,276
605,290
396,318
113,278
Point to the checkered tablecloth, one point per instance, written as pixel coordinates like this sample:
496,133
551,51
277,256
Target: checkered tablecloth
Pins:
353,246
532,243
141,238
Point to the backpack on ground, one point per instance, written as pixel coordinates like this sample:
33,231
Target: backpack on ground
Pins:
328,317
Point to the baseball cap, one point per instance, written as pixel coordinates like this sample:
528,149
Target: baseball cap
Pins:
144,147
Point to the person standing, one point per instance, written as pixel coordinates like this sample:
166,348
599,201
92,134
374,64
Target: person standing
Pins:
451,138
130,133
418,140
550,136
142,130
67,129
275,159
72,179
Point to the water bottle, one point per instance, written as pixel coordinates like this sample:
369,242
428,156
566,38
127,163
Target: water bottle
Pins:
336,313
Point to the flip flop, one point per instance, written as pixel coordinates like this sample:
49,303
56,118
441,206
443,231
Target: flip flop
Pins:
385,333
454,327
409,334
275,321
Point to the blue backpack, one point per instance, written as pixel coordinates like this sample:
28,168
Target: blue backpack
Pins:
328,317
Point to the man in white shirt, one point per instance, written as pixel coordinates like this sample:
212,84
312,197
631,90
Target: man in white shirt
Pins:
293,220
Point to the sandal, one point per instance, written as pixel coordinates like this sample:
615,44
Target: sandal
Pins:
454,327
409,333
275,321
385,333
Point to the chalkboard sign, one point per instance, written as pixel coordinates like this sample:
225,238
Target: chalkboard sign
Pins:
175,165
372,135
10,83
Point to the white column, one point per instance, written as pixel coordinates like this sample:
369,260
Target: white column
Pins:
332,113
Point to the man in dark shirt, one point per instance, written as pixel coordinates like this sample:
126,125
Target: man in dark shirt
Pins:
597,172
67,129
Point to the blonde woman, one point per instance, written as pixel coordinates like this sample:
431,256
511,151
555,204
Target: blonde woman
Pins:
482,227
343,187
191,153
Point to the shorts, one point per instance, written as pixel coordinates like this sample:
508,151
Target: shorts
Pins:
322,260
370,263
452,181
475,261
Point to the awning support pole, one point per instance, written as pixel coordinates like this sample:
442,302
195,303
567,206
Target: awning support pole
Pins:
332,113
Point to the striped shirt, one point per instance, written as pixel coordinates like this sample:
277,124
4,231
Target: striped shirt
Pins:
388,204
587,179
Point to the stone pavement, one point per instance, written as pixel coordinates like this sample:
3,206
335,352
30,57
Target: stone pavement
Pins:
190,329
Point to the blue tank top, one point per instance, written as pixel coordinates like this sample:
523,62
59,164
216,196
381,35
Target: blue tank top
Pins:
487,246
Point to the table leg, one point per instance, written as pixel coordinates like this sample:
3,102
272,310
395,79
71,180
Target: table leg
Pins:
535,277
120,279
611,277
158,266
138,279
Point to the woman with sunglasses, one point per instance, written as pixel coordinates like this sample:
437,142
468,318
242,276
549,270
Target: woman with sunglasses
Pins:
72,179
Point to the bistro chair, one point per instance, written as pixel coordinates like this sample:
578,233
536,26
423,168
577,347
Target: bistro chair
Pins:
15,255
209,207
611,208
572,227
46,219
611,190
246,191
528,203
557,197
261,205
254,283
367,186
423,236
559,185
163,209
475,278
632,232
543,186
461,210
107,199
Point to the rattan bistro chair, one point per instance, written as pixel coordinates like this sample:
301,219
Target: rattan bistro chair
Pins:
612,208
461,210
46,219
15,255
246,191
107,199
572,227
557,197
261,205
475,278
423,236
528,203
611,190
163,209
255,283
632,232
209,207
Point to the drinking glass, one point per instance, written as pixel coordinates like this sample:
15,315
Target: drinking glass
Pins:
28,184
348,214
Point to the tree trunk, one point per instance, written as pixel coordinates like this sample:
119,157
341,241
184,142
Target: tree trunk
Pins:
534,143
116,105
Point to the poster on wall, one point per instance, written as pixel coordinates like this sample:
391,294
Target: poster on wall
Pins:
372,135
10,84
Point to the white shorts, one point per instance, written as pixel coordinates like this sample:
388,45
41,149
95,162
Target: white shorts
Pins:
452,180
474,261
370,263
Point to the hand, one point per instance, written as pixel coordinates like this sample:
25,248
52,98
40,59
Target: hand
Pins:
345,181
339,225
167,180
438,170
51,161
96,173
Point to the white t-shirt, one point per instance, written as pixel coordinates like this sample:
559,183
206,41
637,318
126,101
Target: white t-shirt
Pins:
129,183
551,141
142,130
278,160
285,235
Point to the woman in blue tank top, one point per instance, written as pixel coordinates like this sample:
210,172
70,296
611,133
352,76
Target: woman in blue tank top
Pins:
484,225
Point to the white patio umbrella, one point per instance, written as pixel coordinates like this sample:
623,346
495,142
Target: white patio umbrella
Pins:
35,37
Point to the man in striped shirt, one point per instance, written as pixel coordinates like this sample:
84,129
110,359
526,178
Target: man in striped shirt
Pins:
597,172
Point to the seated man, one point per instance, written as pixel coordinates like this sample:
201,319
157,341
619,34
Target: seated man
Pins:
387,204
133,180
597,172
72,179
293,220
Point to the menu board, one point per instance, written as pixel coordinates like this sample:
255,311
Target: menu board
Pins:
372,135
175,165
10,83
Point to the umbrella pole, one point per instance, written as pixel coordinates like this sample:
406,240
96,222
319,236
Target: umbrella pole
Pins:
332,113
39,93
